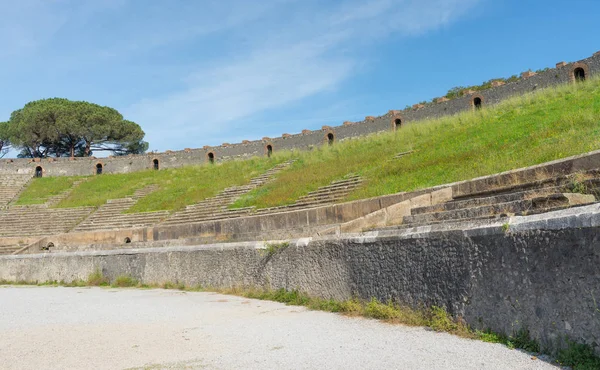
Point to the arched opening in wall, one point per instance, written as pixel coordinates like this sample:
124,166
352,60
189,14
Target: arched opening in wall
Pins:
127,240
269,150
330,138
397,123
99,169
477,102
211,157
39,171
155,164
579,74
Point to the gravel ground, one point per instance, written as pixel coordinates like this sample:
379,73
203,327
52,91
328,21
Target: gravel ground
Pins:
83,328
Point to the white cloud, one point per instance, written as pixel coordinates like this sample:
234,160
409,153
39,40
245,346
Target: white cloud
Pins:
256,56
306,57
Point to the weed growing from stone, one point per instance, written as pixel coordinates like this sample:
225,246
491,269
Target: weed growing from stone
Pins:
272,248
96,278
124,281
579,357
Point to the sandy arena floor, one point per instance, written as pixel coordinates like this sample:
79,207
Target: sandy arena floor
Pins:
95,328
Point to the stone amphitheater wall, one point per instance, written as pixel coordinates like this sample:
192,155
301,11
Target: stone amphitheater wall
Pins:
563,73
297,223
542,275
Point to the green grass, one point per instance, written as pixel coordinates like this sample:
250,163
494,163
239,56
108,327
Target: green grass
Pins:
522,131
42,189
177,187
527,130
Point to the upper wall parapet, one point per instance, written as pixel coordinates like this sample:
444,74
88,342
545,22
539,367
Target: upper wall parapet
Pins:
307,139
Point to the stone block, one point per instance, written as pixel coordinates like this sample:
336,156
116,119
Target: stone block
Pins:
369,118
285,136
560,64
348,123
421,201
576,199
497,83
441,196
396,212
306,132
528,74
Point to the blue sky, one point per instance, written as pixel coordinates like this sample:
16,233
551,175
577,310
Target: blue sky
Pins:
203,72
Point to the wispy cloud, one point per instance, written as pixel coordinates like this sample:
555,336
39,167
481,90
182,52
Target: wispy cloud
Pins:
221,62
314,52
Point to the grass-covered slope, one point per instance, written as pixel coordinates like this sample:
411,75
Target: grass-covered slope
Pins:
41,190
523,131
177,187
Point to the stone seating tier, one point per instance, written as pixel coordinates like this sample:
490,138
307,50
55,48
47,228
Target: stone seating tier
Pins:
40,220
515,200
110,215
11,186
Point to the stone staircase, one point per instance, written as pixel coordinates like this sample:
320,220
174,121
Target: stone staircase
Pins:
38,220
110,215
215,208
11,186
513,200
324,195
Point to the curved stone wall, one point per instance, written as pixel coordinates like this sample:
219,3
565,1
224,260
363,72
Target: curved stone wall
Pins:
529,81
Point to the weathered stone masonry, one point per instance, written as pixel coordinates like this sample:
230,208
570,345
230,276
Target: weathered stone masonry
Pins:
540,275
563,73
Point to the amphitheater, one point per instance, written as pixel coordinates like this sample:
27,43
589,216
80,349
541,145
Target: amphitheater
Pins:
503,251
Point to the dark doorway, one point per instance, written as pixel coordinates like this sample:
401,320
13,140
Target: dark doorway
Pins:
99,169
579,74
330,138
269,150
397,123
155,163
211,157
39,171
477,103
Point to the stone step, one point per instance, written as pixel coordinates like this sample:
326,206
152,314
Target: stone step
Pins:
197,218
499,209
483,201
153,218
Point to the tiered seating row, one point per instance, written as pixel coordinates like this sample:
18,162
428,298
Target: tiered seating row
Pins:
216,207
110,215
521,199
11,186
40,220
324,195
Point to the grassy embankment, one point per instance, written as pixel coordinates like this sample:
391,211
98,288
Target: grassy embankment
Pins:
527,130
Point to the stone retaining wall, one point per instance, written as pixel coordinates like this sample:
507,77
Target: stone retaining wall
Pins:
307,139
540,275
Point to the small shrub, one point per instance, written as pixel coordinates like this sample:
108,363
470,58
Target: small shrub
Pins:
523,340
124,281
441,321
272,248
381,311
579,357
97,278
